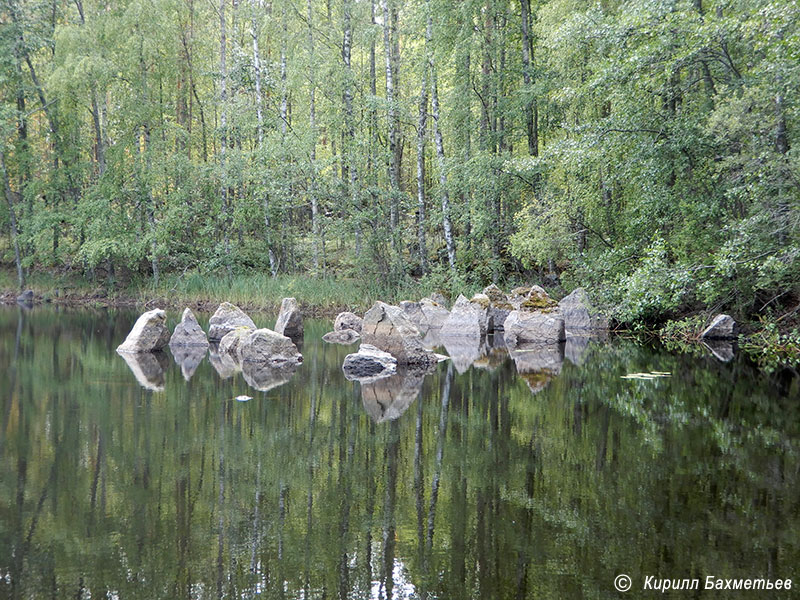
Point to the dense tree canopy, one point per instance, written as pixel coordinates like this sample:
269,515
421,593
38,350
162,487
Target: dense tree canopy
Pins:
646,147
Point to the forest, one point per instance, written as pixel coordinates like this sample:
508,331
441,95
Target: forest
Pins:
644,149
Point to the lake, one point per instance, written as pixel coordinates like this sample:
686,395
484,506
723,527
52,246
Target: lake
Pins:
475,481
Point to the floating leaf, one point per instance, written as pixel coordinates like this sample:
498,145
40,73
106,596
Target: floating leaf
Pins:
647,376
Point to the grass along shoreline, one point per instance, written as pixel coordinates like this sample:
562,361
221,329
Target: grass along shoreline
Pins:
259,292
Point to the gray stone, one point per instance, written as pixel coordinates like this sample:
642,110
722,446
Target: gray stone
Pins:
369,361
499,307
432,339
533,327
290,319
497,317
148,368
435,314
467,319
227,318
188,332
149,333
439,299
343,336
494,293
26,297
348,320
723,327
530,298
387,328
414,313
231,342
268,347
579,314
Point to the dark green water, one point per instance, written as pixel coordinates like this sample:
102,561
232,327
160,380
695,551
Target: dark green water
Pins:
481,488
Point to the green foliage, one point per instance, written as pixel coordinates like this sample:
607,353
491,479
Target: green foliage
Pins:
653,290
649,151
773,349
686,329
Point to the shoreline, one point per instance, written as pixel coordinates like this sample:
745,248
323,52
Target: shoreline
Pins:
93,300
770,347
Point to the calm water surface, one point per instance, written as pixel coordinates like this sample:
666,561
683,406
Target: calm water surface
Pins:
472,482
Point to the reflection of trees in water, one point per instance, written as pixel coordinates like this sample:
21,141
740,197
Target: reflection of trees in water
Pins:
481,490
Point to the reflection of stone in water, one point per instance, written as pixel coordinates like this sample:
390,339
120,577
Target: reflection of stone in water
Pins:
537,364
297,340
148,368
344,337
577,345
188,358
492,360
537,381
723,350
263,377
575,348
496,340
464,351
223,363
387,398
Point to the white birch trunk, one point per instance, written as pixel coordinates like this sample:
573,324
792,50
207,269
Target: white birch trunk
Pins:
392,117
421,138
223,122
273,263
437,136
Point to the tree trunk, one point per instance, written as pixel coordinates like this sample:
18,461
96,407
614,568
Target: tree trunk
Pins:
11,201
486,71
223,124
349,126
100,154
151,213
437,136
784,174
144,185
392,118
312,121
273,263
421,126
531,126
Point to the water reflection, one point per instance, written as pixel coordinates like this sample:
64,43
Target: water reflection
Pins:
387,398
263,377
464,351
223,363
538,364
148,368
188,358
464,486
723,350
